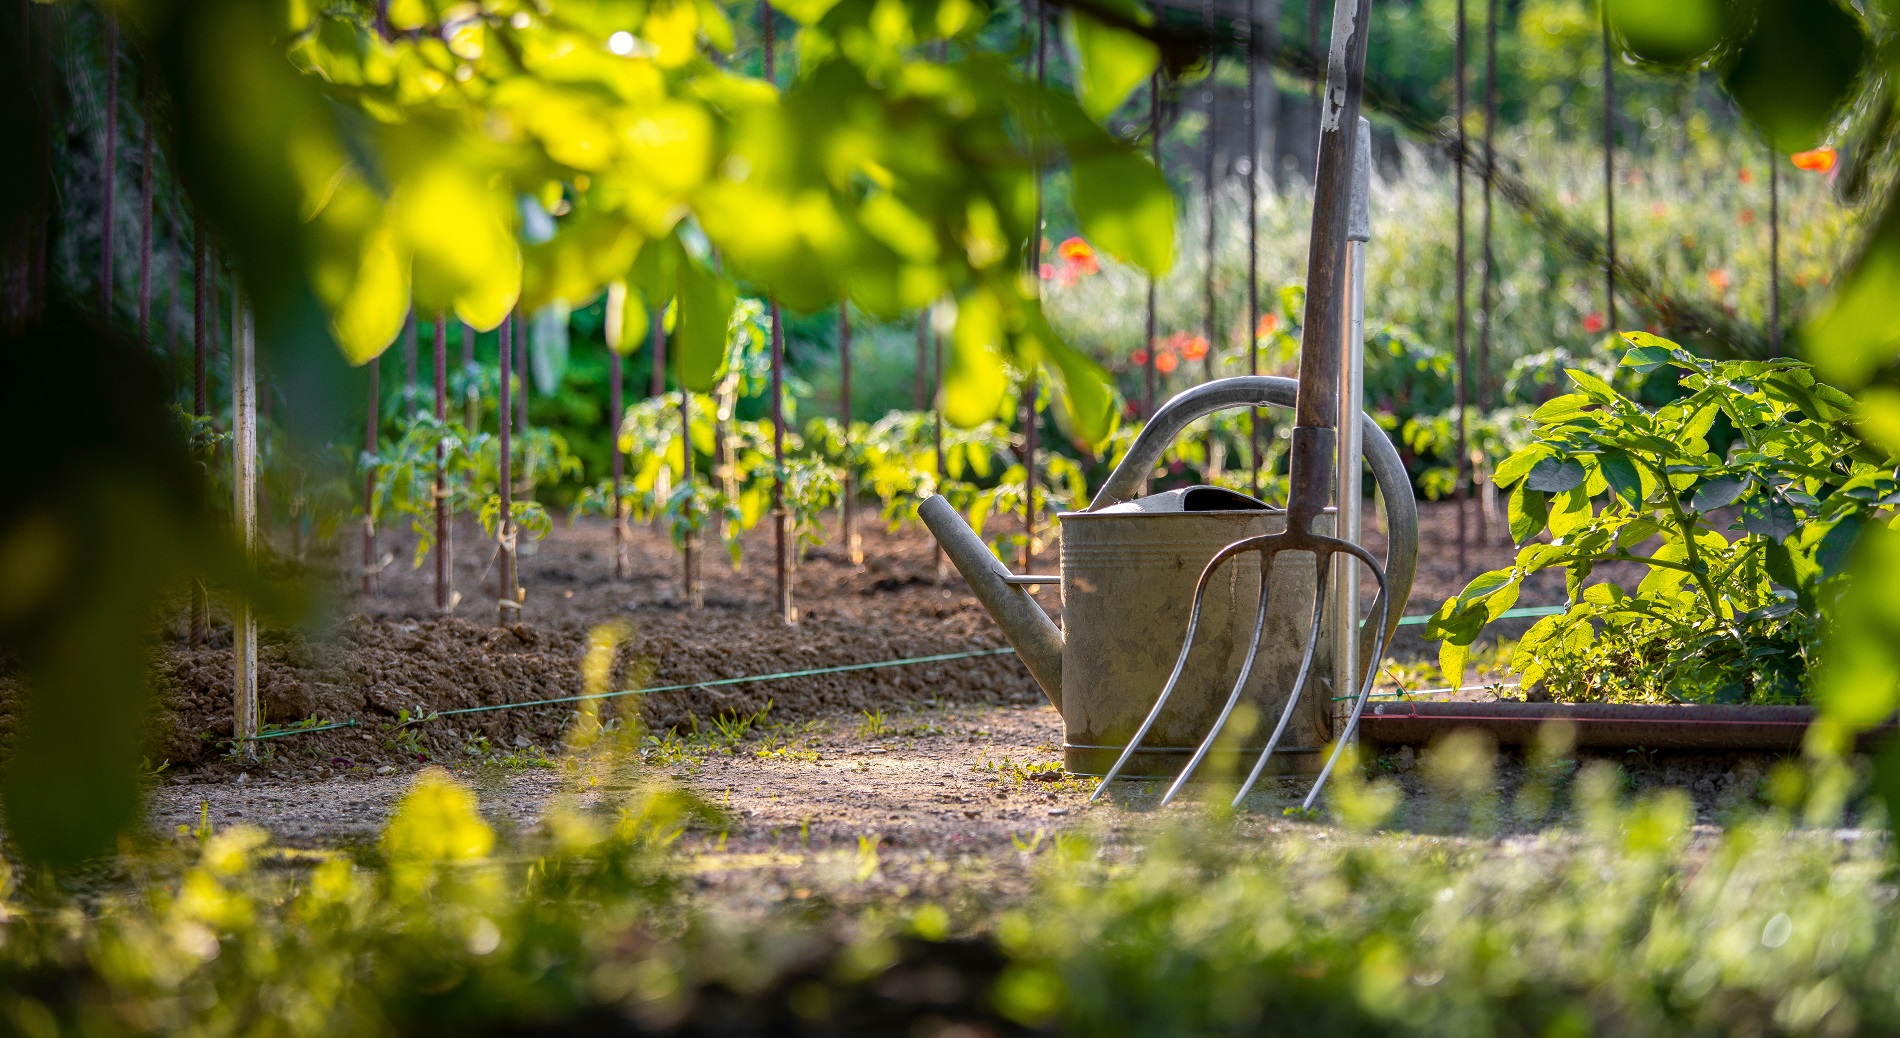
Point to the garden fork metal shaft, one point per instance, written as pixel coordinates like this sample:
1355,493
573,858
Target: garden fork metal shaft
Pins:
1316,414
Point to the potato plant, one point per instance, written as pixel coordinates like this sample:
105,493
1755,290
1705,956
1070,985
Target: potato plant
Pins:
1741,500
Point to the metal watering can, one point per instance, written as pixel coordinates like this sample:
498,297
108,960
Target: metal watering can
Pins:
1129,567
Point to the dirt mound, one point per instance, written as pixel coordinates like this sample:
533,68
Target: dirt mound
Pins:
385,671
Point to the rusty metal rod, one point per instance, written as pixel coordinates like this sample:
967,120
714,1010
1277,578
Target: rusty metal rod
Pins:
781,518
1609,178
509,606
847,496
616,411
443,574
371,427
1152,346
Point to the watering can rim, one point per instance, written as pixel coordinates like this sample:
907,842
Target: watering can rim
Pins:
1105,512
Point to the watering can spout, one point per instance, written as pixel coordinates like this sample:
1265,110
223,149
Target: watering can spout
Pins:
1037,640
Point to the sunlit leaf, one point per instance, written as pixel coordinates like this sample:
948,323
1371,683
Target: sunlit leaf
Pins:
699,335
1110,61
1126,209
1858,684
626,321
974,383
1668,32
1858,331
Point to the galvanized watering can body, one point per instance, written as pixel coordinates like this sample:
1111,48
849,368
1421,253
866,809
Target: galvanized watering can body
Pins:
1129,568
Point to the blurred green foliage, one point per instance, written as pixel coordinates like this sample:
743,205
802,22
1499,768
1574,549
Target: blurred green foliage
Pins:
1618,915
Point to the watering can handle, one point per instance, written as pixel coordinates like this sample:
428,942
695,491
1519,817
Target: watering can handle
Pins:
1124,484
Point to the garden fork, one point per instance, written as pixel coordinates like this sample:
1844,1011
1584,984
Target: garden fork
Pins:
1317,418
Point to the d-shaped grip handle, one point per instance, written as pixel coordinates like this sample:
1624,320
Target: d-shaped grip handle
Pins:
1176,415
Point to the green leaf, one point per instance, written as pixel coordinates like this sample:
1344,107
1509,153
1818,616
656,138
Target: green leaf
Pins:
705,302
1621,473
1110,62
1837,545
1519,465
1667,32
805,12
1797,68
1451,661
1562,408
1646,359
1858,685
1767,515
1571,510
1779,563
974,384
1636,531
1528,511
1592,386
627,324
1858,332
1717,492
1555,475
1484,584
1126,208
1086,399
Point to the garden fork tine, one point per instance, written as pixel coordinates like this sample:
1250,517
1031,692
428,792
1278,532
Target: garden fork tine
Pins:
1260,544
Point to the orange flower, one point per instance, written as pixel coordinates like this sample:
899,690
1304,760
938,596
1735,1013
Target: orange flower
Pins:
1820,160
1269,323
1718,279
1593,324
1747,218
1166,363
1745,176
1075,250
1658,209
1194,348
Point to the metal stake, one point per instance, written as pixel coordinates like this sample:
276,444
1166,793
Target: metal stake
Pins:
244,705
1352,402
1462,387
443,574
509,607
371,440
854,549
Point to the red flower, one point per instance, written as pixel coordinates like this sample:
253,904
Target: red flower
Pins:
1140,357
1079,256
1747,218
1269,323
1820,160
1166,363
1593,324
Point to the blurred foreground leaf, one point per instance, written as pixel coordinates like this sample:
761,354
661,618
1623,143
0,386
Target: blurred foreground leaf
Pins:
102,519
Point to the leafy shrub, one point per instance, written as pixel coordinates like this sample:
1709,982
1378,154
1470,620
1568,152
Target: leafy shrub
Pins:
1611,480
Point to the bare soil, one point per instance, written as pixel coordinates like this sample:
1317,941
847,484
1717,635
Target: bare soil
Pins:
938,780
